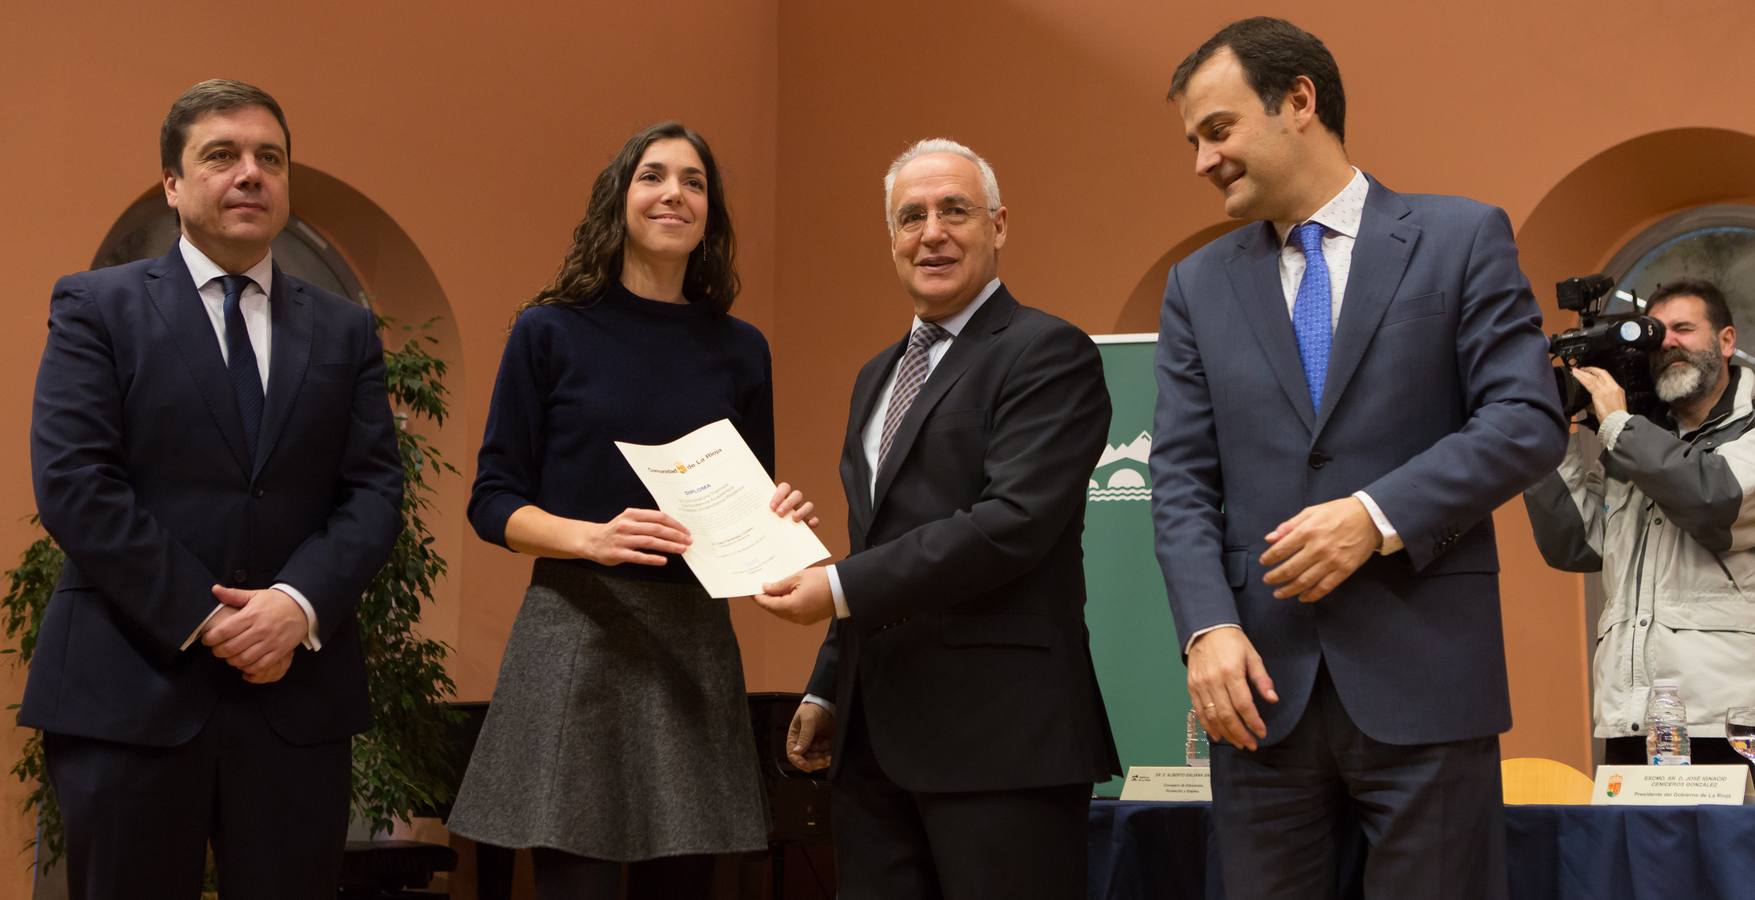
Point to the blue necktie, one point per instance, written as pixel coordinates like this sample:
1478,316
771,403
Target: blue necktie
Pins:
241,361
1310,311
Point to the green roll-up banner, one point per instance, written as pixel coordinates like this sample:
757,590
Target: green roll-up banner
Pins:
1132,638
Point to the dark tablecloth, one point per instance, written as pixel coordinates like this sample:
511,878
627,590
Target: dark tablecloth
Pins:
1165,851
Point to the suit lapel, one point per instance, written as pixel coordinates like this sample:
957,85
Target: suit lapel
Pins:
1380,257
968,346
172,291
865,395
290,315
1255,282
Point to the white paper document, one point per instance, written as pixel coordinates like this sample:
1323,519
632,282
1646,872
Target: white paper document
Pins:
712,483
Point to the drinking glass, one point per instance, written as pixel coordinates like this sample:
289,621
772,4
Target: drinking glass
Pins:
1740,730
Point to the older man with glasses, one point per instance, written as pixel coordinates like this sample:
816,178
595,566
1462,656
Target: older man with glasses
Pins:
955,695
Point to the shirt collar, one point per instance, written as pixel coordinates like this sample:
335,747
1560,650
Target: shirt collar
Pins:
1340,214
954,324
204,270
1726,402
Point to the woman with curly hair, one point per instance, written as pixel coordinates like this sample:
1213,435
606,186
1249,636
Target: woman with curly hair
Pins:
619,730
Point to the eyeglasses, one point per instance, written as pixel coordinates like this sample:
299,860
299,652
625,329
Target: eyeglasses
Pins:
912,220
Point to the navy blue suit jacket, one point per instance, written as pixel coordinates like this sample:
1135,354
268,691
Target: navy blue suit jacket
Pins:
1438,403
138,459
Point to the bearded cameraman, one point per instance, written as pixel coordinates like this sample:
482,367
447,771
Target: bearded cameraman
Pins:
1666,511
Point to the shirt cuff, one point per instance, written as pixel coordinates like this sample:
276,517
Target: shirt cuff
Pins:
1390,541
840,600
310,642
812,698
1196,636
1610,430
197,632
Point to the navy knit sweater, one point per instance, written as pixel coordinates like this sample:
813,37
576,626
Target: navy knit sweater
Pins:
577,376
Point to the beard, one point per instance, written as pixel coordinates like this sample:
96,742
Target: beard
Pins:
1689,382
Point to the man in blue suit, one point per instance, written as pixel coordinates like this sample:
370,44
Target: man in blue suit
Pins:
212,446
1347,387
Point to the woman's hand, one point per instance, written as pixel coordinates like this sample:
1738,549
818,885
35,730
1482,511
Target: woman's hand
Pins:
790,502
636,536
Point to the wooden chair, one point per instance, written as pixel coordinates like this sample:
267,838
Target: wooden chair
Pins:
1530,779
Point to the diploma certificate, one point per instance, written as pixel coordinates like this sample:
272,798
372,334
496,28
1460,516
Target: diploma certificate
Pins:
712,483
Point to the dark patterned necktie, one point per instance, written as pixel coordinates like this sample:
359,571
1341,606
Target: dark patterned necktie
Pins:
910,375
241,361
1312,321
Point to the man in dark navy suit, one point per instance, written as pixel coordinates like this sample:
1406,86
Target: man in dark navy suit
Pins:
954,696
212,446
1347,387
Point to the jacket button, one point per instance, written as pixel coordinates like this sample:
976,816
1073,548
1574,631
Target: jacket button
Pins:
1318,459
1634,725
238,576
260,493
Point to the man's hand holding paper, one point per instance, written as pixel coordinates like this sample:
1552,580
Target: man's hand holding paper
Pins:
802,599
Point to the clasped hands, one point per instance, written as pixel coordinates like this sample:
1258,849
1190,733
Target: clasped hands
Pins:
255,632
1308,555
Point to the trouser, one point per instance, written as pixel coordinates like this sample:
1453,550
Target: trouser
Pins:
138,819
1286,815
895,844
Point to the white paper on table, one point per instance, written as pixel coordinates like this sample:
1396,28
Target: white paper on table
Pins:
712,483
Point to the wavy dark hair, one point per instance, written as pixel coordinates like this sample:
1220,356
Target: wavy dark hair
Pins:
595,261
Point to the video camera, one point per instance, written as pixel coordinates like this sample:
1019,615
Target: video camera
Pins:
1617,344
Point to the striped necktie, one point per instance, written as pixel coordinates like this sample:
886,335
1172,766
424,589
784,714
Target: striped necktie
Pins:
910,375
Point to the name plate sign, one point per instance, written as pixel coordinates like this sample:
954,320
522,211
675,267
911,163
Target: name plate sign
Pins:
1671,786
1168,783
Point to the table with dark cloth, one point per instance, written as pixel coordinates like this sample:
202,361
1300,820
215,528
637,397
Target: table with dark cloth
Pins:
1165,851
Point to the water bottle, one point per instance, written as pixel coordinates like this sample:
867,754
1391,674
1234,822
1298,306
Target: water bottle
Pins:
1195,748
1666,725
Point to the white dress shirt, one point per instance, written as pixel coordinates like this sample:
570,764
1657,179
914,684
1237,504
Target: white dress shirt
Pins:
872,435
1340,218
253,303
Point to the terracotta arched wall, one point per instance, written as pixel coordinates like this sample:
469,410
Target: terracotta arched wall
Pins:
403,287
476,130
1067,102
1573,230
1610,197
473,130
1140,313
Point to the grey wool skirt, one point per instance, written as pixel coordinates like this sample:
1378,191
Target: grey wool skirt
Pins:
619,728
